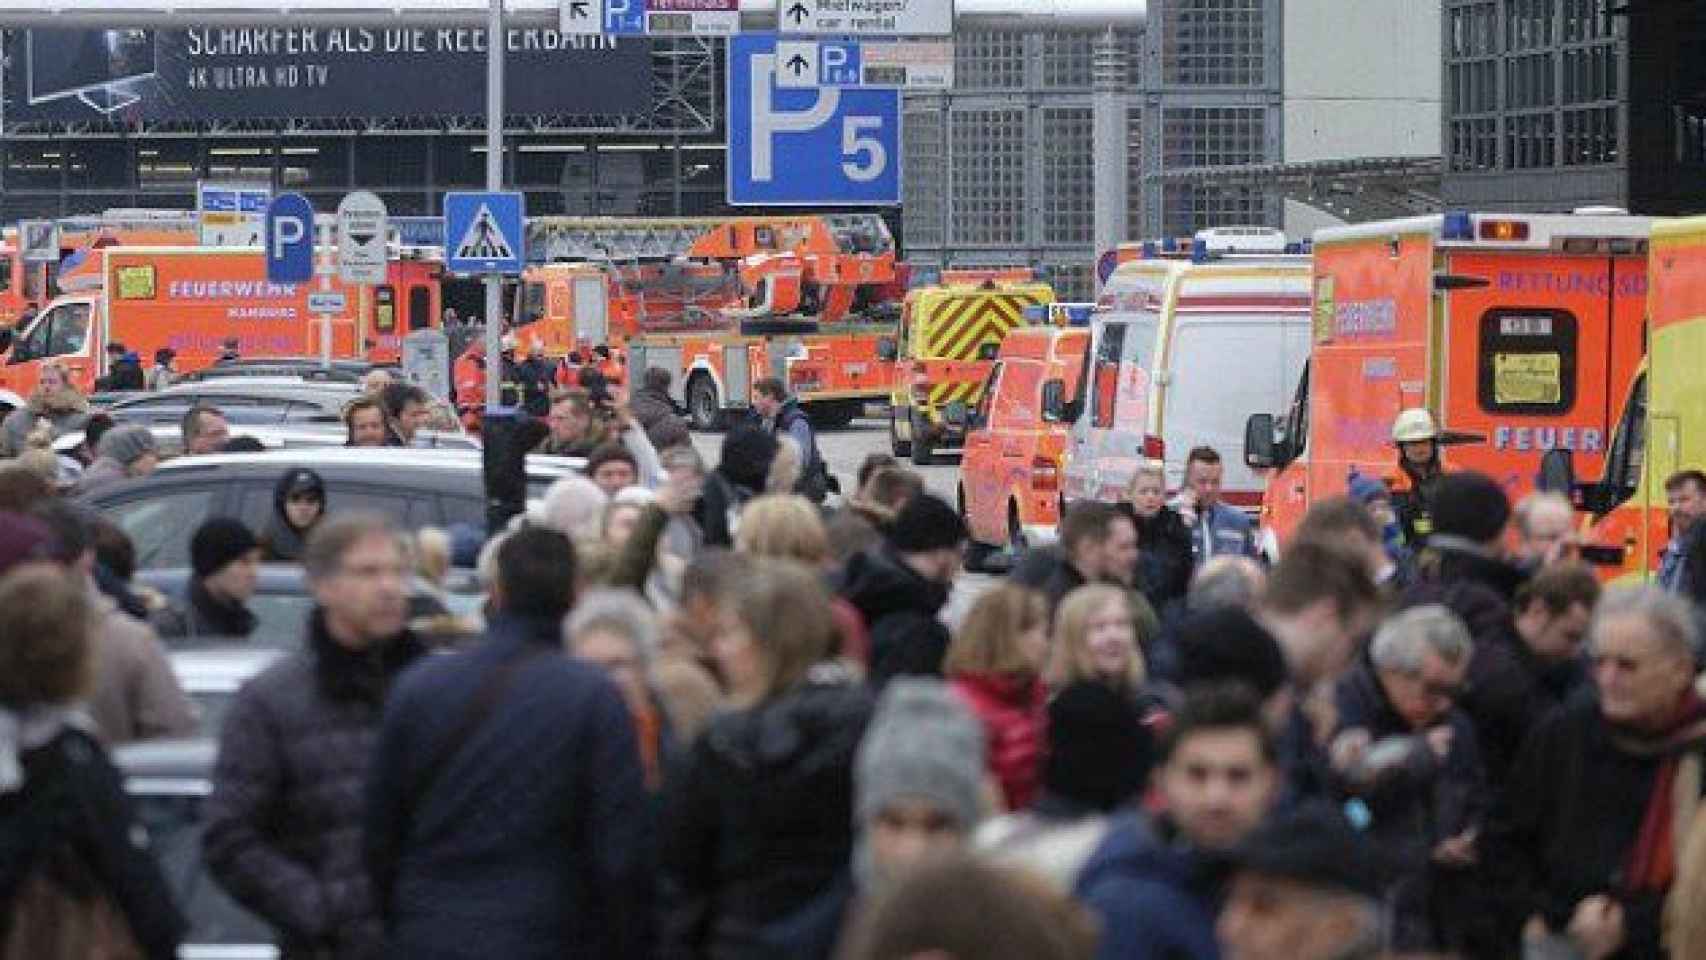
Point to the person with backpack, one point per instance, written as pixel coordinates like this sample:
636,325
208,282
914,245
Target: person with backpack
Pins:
740,476
778,414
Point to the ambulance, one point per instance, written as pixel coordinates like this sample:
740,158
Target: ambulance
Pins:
1518,333
1009,490
192,299
1186,341
944,346
1661,426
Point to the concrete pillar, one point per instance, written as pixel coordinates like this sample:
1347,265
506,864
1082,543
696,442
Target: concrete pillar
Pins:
1108,139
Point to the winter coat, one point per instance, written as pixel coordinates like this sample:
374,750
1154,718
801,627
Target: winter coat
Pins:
1570,815
534,832
104,472
791,421
900,608
656,413
283,825
66,410
70,816
1164,561
1156,898
282,542
1500,697
125,374
198,614
758,824
137,696
1414,806
1014,713
1046,570
1222,531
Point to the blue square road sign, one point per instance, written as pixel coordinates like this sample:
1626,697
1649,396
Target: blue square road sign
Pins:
483,232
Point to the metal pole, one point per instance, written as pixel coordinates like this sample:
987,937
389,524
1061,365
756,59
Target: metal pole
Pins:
1108,140
494,182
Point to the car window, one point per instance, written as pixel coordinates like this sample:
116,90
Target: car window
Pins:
280,619
160,524
404,506
70,330
454,511
310,413
173,821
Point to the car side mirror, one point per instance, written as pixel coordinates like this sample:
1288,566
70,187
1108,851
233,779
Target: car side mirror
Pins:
1260,450
887,349
1054,401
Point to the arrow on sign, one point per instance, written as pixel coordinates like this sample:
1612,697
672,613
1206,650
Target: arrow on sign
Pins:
363,238
578,10
798,64
799,12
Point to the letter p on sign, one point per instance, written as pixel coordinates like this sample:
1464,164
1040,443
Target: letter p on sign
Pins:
290,239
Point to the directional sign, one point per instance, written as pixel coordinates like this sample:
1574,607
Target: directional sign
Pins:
581,17
483,232
38,241
867,18
797,64
902,64
231,215
806,147
692,18
625,18
327,301
362,226
290,239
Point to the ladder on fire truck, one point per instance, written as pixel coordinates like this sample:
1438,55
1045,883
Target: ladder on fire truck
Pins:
623,239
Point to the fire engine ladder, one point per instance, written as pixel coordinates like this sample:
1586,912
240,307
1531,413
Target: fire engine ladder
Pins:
128,219
600,239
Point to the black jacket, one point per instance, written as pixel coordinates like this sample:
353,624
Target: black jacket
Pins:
1566,823
758,824
1501,698
199,615
124,375
791,421
900,610
535,832
72,817
284,820
657,414
1164,560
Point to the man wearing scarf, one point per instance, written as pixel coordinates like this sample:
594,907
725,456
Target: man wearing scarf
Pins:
1599,801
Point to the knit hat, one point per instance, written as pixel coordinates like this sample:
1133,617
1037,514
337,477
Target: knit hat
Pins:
218,543
1313,844
1365,489
926,523
127,444
922,743
1470,505
24,539
1229,645
1099,754
747,452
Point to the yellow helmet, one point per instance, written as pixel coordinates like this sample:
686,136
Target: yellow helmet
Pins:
1414,425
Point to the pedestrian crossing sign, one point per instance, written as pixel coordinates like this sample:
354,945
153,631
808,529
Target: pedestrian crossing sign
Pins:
484,232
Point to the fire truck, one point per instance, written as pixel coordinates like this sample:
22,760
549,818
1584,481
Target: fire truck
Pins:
721,303
27,286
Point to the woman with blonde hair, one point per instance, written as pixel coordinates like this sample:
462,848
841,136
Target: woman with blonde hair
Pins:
758,822
995,665
787,526
1095,638
1164,563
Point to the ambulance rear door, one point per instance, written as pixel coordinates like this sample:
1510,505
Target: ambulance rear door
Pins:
1108,438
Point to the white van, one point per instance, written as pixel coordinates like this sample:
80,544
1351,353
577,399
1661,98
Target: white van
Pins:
1182,351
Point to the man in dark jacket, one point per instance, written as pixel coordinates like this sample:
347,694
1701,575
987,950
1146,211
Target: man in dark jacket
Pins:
1408,755
901,587
124,370
780,415
1553,611
507,794
1463,568
284,820
225,563
1583,831
740,476
1157,894
1098,544
656,412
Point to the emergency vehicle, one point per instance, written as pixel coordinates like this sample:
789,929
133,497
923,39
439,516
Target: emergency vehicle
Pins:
192,299
1519,334
26,287
1009,490
1661,427
1185,341
946,342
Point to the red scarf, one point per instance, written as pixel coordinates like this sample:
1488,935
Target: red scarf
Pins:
1651,864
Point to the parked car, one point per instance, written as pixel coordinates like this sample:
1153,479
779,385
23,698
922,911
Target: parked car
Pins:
244,400
168,782
303,368
212,674
169,439
419,488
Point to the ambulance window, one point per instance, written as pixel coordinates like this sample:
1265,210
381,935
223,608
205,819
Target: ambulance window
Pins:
532,302
1627,452
1528,362
420,308
1297,418
385,309
986,402
1105,375
70,330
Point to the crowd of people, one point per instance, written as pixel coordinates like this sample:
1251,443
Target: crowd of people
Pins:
708,714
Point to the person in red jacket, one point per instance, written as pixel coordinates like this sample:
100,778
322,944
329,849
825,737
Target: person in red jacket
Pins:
469,375
995,665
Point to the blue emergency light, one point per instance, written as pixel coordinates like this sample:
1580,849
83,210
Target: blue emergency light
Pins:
1078,314
1151,250
1458,226
1036,313
1199,250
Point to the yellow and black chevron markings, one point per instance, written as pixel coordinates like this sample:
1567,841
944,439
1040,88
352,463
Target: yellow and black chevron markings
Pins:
963,326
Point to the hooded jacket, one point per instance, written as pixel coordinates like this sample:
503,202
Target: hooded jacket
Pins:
758,824
900,608
1156,900
283,824
199,614
282,542
66,410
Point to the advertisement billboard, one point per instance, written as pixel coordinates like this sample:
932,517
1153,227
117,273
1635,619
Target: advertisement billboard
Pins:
260,73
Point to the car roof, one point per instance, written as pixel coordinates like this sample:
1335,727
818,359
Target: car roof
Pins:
269,387
380,458
220,665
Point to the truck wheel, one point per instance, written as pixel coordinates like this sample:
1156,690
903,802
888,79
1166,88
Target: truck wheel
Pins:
922,454
1015,530
703,410
897,446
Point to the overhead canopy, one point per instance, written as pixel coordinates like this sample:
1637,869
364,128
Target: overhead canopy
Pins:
756,14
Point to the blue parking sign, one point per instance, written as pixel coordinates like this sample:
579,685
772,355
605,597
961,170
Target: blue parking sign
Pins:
625,17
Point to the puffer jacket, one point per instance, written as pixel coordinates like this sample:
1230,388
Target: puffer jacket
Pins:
66,410
656,414
758,825
900,609
284,821
1156,896
1014,713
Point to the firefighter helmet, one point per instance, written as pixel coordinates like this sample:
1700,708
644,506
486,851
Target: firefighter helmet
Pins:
1414,426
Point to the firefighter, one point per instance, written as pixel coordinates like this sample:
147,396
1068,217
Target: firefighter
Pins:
470,378
1417,438
611,366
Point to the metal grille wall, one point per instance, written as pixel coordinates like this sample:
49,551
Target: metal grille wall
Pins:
1214,43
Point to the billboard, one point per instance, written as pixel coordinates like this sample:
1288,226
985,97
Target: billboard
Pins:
260,73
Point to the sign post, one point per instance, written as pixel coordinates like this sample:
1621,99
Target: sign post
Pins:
362,229
494,182
231,214
326,301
